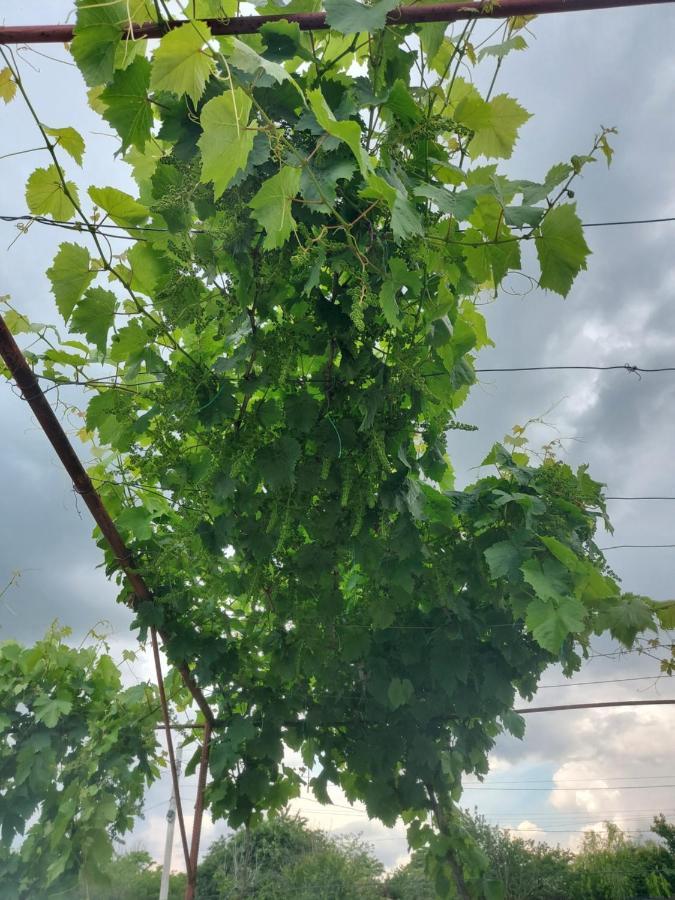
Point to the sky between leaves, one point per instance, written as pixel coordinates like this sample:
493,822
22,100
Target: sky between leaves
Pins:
582,70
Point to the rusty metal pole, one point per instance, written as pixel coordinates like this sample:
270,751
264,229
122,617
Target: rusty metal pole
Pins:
199,814
403,15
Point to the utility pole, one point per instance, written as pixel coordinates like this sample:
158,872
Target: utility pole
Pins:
168,844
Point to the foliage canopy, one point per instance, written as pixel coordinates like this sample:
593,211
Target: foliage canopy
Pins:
276,361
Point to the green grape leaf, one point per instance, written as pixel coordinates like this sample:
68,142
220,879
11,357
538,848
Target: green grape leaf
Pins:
148,267
495,124
277,462
351,17
272,205
503,559
400,692
137,520
213,9
517,42
7,84
561,248
226,139
243,57
514,723
548,578
626,617
70,275
49,710
71,141
127,105
180,64
96,38
45,194
121,207
402,104
347,131
665,613
551,622
93,316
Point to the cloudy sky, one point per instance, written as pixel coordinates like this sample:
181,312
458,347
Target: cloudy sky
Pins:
583,70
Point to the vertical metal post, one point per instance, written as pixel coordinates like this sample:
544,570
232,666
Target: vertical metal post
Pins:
168,843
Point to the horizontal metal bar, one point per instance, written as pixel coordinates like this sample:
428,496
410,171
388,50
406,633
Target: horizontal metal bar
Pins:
316,21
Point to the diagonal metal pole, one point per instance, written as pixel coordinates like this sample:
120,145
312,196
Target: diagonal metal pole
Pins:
316,21
34,395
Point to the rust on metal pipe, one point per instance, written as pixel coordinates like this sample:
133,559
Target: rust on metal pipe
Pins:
316,21
34,395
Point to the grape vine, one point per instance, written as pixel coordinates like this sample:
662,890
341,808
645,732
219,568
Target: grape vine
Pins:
275,362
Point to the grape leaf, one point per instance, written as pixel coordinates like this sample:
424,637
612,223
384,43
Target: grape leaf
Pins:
347,131
46,196
495,123
626,617
180,64
49,710
277,462
121,207
93,316
351,17
665,613
399,692
127,106
550,623
226,140
561,248
272,205
503,559
7,84
71,141
96,38
549,579
243,57
70,275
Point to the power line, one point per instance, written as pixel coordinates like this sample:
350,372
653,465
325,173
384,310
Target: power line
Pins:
116,231
316,21
542,687
627,367
637,547
603,705
639,498
624,787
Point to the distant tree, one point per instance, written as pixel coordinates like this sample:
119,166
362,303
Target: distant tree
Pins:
609,866
283,859
77,752
136,876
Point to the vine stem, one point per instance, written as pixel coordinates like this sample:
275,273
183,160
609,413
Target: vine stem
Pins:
442,824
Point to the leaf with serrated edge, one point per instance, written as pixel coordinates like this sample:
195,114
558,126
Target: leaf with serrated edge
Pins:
180,64
121,207
71,141
272,205
351,17
70,275
226,139
561,248
45,194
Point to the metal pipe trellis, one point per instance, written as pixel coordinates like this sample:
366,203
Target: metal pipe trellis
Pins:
316,21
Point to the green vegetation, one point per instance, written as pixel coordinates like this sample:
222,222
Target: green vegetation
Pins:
274,364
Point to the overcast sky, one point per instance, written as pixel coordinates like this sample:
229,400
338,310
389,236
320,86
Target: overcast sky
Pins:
583,70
